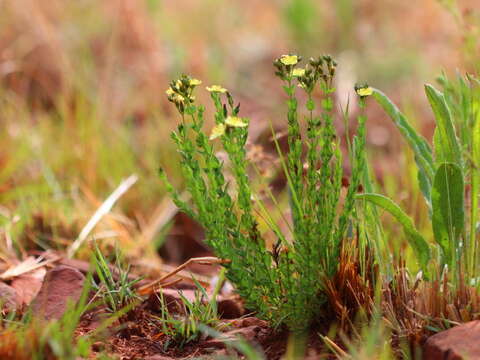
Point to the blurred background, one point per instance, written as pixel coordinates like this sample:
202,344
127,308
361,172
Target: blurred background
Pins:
83,105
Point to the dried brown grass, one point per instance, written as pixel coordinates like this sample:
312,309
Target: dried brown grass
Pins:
416,309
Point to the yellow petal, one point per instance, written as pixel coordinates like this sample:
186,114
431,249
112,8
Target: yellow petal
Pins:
365,91
289,59
169,91
217,131
216,88
195,82
298,72
235,121
179,98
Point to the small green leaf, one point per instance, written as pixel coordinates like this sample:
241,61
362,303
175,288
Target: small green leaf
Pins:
448,217
416,240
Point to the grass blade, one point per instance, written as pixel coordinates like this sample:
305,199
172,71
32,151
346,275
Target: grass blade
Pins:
416,240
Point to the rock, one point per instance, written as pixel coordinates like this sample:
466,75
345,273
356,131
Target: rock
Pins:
98,346
458,343
248,333
253,321
229,308
8,297
61,284
172,299
28,285
248,321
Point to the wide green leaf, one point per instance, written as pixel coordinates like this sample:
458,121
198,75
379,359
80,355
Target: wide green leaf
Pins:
416,240
420,146
447,148
448,217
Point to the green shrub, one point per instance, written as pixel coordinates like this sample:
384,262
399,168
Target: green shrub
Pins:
284,283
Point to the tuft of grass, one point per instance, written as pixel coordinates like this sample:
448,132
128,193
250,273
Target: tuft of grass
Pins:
116,290
184,328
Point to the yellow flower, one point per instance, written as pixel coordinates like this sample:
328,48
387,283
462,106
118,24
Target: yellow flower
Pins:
217,131
235,121
195,82
178,98
170,91
298,72
364,91
178,83
216,88
289,59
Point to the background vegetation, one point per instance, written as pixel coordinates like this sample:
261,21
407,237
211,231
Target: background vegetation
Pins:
82,86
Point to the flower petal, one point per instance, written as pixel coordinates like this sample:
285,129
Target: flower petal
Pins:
289,59
216,88
195,82
364,91
217,131
235,121
298,72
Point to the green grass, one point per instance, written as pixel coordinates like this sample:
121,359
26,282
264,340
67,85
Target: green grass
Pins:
115,288
181,329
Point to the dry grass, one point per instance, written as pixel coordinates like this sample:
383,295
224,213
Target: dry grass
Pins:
415,309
